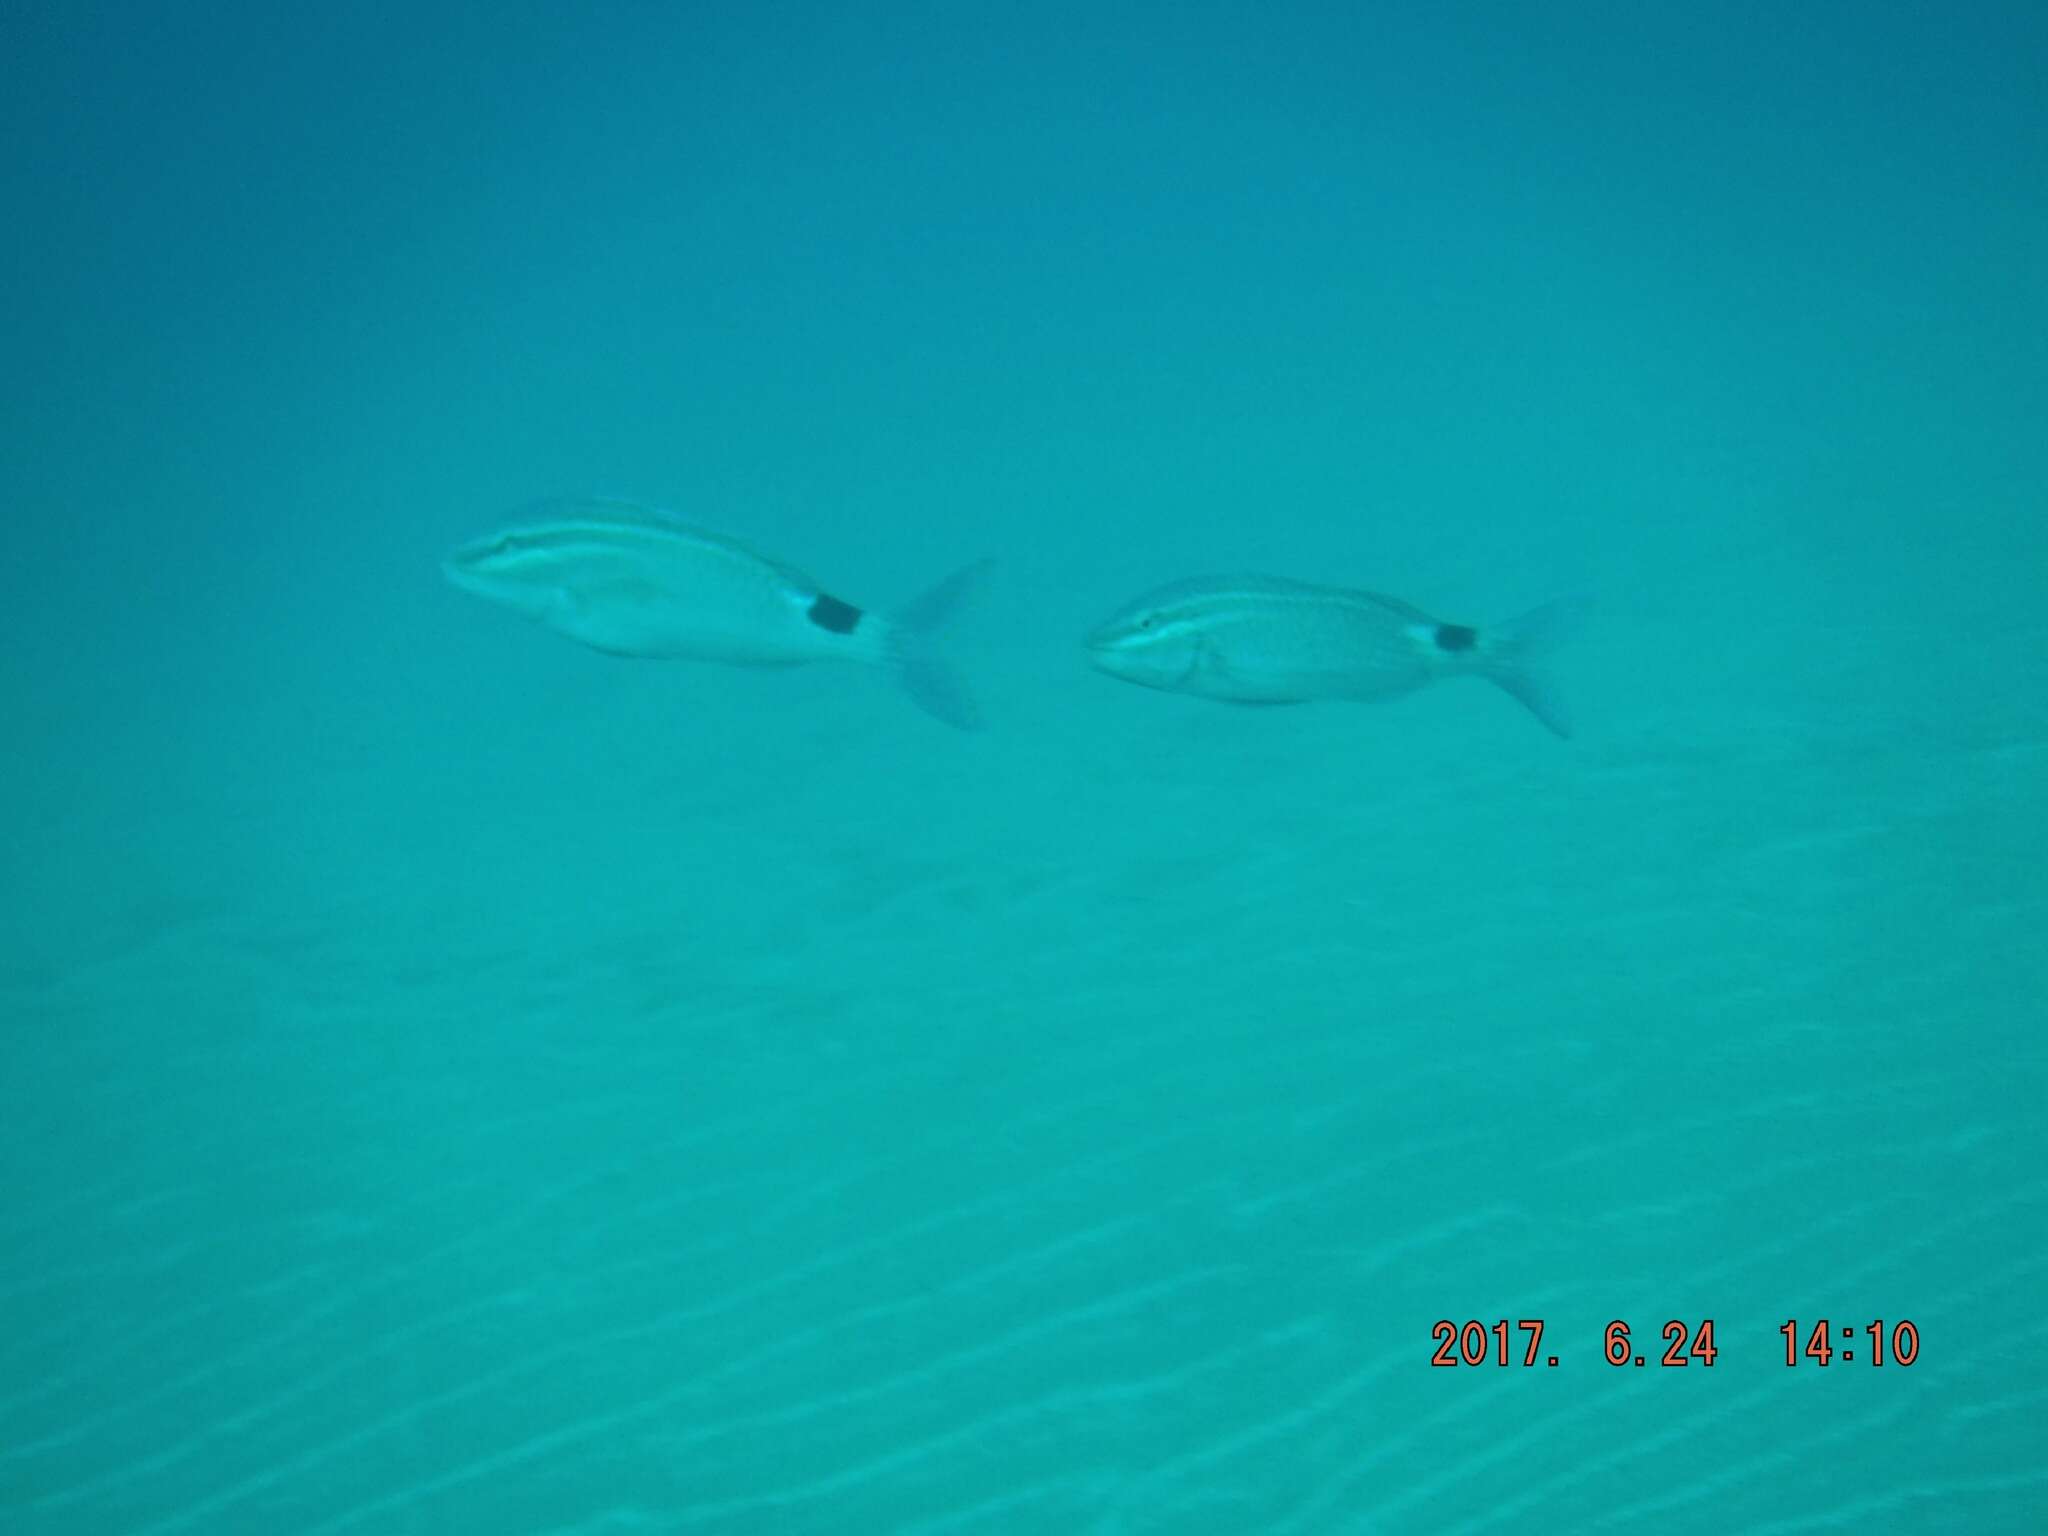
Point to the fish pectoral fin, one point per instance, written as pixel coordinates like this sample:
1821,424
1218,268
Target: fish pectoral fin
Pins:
1213,667
1209,665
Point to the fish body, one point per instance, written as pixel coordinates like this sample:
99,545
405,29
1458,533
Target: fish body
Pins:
1269,640
629,581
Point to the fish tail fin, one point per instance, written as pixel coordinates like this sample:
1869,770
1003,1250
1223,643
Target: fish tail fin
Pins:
1512,650
913,649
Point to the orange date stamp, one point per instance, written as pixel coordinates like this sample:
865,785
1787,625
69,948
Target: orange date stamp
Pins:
1519,1342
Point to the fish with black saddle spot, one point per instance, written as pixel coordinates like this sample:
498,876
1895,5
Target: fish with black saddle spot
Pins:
1269,640
629,581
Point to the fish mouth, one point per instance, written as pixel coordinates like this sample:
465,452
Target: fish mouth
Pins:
1103,647
470,558
1112,653
462,574
482,563
1110,635
479,567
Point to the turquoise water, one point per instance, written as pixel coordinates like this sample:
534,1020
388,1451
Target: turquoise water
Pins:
458,1082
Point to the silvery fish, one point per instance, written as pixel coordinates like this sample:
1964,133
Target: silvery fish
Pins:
633,582
1267,640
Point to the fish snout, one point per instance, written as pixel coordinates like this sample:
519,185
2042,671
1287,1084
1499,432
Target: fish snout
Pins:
1140,649
1109,648
493,569
474,558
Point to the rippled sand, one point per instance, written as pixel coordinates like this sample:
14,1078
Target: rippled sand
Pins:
1072,1133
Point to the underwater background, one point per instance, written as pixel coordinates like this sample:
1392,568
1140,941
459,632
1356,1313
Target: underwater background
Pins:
458,1082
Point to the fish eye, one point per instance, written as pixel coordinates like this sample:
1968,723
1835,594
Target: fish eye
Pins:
1145,622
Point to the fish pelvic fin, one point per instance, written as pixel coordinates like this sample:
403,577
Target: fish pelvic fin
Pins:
1512,653
912,648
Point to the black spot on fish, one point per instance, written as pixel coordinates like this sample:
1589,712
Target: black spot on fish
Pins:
1456,637
830,613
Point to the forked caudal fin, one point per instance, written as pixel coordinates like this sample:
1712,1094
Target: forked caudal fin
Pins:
1513,649
913,649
